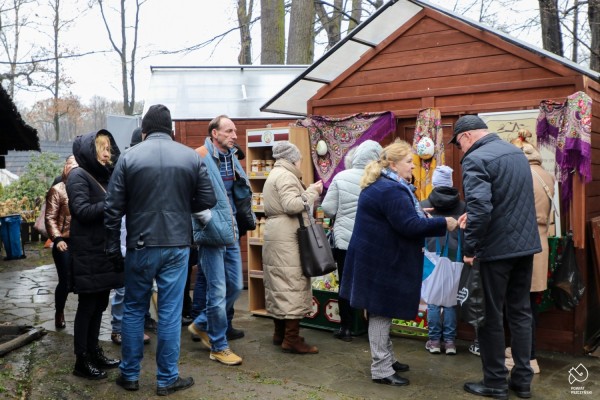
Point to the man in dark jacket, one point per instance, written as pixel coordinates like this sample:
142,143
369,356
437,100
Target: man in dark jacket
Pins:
159,184
500,232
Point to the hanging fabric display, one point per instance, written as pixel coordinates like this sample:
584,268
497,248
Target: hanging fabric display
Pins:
566,129
428,148
331,138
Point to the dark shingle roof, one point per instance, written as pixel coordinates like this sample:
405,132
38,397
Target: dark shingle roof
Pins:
16,161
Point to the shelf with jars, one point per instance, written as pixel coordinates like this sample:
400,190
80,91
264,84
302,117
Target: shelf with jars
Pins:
259,163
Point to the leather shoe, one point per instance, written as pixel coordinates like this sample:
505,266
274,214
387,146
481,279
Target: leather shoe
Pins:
179,384
343,334
480,389
399,367
393,380
520,391
233,334
127,385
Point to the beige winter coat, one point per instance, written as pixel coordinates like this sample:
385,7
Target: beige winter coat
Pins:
539,278
288,293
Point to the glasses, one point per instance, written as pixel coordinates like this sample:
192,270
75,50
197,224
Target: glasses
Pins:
457,141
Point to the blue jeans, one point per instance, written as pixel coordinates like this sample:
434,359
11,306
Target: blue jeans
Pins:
116,309
168,266
199,300
441,326
222,267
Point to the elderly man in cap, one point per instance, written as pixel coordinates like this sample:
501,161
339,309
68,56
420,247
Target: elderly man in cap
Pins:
500,232
159,184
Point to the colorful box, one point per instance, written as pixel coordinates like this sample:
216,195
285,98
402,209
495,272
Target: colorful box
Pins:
326,314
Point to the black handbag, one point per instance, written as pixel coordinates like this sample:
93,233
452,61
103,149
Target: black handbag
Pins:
315,253
567,285
242,198
471,298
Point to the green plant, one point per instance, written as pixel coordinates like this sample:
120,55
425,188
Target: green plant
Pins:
25,195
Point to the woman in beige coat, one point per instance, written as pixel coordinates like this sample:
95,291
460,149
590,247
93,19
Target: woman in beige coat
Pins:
543,189
288,294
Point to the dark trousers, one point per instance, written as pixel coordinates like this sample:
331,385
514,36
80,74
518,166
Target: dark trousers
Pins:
88,320
343,304
62,261
535,312
506,284
186,311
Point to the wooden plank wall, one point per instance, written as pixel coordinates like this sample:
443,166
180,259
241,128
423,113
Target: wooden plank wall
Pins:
193,133
443,63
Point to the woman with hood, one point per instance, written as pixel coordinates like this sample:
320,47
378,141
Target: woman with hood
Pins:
94,274
58,221
340,203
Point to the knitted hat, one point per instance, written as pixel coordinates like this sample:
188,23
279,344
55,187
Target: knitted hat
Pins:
467,123
157,119
136,137
287,151
442,176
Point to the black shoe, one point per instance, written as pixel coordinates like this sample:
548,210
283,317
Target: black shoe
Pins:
399,367
186,320
343,334
479,389
85,368
102,361
150,325
521,392
233,334
393,380
179,384
127,385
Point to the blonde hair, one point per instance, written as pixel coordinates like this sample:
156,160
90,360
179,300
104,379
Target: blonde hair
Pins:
101,141
390,154
521,139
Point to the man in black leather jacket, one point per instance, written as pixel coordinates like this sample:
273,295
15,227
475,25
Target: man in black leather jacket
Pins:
500,232
159,184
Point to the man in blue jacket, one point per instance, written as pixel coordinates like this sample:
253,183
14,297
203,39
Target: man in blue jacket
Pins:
219,253
159,184
500,232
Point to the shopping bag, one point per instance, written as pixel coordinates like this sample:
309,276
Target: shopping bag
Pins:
567,286
40,221
440,287
471,297
316,256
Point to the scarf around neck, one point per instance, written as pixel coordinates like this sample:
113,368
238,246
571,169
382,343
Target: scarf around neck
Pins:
388,173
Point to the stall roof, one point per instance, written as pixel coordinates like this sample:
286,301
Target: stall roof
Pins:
203,92
293,98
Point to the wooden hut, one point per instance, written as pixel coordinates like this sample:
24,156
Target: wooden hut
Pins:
412,55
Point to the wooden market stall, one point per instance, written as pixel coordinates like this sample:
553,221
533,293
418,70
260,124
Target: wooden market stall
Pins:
412,56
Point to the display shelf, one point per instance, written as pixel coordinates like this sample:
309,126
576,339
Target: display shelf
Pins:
259,160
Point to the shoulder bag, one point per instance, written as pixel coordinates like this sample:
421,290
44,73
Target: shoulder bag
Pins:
315,252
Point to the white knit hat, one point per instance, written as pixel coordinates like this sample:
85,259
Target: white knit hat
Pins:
442,176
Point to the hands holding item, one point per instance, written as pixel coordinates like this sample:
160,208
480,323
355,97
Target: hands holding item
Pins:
116,258
318,186
451,224
462,221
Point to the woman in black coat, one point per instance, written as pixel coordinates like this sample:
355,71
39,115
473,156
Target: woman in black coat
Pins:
94,275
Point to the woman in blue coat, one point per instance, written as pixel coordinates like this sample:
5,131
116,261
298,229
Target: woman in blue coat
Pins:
384,262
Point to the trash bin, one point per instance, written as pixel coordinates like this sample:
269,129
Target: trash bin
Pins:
10,233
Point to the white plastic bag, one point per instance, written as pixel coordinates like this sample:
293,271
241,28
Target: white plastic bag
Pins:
441,286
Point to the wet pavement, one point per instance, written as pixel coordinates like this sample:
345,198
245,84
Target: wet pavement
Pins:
42,370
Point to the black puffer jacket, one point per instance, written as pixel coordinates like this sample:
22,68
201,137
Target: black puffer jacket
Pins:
445,202
92,271
498,187
158,184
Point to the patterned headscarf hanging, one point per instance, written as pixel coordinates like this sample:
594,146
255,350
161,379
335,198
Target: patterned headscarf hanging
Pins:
566,128
342,134
429,125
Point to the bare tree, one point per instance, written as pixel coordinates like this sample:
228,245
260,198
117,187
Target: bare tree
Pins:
244,12
272,31
355,14
594,21
127,64
550,23
14,17
300,48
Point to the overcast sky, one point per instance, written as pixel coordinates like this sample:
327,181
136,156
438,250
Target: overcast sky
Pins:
164,25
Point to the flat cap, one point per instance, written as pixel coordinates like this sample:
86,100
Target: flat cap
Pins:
467,123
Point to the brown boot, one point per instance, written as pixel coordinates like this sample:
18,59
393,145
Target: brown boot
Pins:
279,331
292,342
